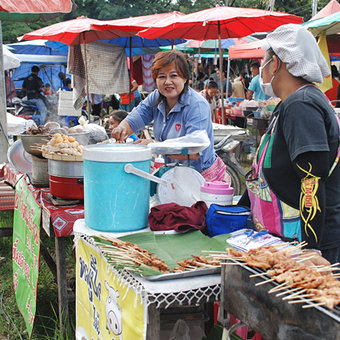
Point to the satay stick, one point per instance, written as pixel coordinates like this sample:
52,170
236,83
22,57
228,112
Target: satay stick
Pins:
207,265
306,258
288,291
259,274
329,266
314,305
281,286
213,251
297,296
121,250
294,294
264,282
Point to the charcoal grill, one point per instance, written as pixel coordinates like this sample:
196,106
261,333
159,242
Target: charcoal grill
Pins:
269,315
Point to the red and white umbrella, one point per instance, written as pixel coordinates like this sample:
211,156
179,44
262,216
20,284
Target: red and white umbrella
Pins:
74,32
221,23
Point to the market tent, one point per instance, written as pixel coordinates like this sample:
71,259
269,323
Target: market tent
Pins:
10,60
329,24
39,47
246,51
332,7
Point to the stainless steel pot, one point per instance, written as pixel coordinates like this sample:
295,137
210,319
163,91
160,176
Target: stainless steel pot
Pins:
65,169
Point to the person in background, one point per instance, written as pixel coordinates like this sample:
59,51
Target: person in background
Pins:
176,110
138,97
115,118
48,90
332,94
33,86
96,103
239,87
68,85
124,103
65,82
199,82
254,90
294,186
224,80
212,95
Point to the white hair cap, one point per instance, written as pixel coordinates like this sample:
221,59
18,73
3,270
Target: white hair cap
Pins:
298,49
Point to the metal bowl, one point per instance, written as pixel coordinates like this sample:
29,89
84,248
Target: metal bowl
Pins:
33,143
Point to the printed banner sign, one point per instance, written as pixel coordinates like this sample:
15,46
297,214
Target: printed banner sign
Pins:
106,308
26,251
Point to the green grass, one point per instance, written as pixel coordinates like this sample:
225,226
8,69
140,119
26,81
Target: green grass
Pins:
46,325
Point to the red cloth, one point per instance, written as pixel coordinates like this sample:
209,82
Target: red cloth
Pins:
332,93
172,216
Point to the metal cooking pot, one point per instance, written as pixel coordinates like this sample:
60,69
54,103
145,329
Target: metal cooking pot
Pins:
33,143
65,169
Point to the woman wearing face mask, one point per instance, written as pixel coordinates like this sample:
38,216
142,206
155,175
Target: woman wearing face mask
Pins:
294,186
176,110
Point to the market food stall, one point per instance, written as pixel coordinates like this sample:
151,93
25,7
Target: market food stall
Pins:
135,302
281,302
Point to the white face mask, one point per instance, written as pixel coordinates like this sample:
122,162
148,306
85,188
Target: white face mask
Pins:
267,87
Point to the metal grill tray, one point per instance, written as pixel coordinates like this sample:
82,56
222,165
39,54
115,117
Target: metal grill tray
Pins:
185,274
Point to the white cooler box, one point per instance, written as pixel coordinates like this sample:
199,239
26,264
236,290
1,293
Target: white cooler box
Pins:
65,104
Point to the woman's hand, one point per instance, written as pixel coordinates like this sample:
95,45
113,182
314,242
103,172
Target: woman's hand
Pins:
143,141
122,131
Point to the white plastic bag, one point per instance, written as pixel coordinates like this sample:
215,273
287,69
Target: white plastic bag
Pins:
191,143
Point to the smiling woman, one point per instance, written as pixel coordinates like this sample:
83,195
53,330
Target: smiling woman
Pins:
176,110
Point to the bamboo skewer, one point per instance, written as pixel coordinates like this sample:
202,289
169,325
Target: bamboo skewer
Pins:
292,297
313,305
288,291
264,282
281,286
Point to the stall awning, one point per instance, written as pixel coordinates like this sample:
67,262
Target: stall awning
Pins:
246,51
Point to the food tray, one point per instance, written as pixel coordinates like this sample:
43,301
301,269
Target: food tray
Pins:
62,157
182,275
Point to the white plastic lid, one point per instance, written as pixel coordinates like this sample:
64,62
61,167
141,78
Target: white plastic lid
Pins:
116,153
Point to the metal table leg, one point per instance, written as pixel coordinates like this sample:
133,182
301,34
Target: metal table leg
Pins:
153,327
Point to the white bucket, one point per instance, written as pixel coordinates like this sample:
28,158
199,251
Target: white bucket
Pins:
217,192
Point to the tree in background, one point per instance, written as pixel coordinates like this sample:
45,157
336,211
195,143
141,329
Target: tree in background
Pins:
117,9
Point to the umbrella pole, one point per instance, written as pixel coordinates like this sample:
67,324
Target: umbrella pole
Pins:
87,81
221,71
130,76
228,75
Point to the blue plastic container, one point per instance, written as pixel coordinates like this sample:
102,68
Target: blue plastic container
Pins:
114,200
